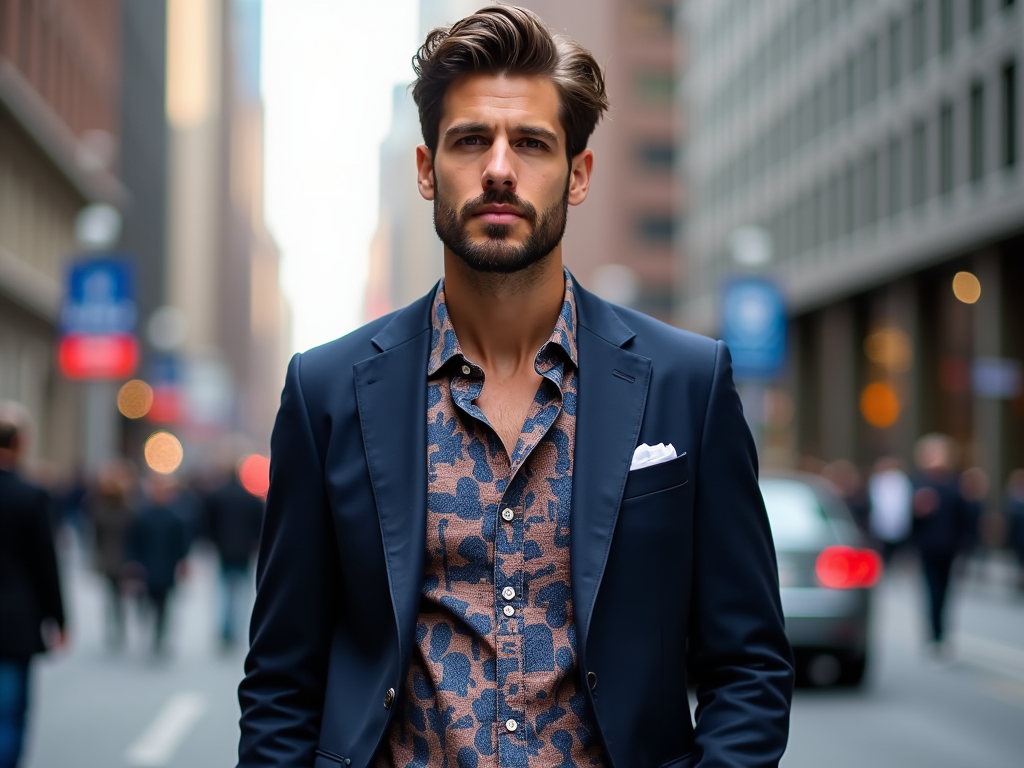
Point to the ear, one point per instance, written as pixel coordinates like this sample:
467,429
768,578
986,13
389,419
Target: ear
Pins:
579,176
425,172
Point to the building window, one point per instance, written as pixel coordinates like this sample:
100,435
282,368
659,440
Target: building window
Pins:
850,199
1009,79
977,153
945,149
657,155
870,190
655,87
917,36
655,228
895,175
918,166
895,51
945,26
977,15
869,86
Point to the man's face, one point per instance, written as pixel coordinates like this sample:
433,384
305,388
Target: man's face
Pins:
499,178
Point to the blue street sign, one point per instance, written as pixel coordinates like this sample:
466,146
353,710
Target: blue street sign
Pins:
99,300
754,327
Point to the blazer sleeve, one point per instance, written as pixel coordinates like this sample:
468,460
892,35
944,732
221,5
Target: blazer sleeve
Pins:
739,651
282,693
46,579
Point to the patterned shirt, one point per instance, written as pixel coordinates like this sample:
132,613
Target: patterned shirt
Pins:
494,679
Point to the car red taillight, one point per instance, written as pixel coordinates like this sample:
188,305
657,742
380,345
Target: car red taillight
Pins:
848,568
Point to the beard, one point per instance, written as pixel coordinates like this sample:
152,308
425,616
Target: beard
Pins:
496,254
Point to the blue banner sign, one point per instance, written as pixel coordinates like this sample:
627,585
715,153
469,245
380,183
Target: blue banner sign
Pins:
754,327
99,300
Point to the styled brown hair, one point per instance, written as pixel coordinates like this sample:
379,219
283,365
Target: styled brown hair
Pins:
508,40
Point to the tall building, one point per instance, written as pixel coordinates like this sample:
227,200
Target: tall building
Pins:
59,122
879,144
619,241
222,262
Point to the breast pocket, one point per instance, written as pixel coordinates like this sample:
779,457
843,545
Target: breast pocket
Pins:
660,477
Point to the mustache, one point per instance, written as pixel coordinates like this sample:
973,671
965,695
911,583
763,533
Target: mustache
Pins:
499,197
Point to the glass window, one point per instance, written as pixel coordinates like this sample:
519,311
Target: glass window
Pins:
849,199
895,51
918,168
977,124
945,149
917,35
870,73
870,190
655,87
655,228
657,155
977,17
895,175
1009,82
945,26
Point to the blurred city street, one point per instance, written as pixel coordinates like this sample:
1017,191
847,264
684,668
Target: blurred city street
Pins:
98,708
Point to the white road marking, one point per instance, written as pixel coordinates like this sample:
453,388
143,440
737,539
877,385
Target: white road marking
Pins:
991,655
158,743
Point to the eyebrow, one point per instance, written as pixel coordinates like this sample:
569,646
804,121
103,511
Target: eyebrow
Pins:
467,129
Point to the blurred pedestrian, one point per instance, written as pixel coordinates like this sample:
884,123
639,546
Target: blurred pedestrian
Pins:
939,520
974,490
109,507
157,547
890,494
233,519
845,476
31,605
1015,520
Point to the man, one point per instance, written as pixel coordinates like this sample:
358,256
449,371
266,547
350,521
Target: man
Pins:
458,566
31,607
232,520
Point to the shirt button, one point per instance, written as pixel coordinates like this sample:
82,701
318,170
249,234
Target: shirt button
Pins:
508,593
511,725
507,515
508,610
467,370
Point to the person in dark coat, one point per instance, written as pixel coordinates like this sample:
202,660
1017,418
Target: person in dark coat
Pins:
157,547
940,519
1015,520
233,520
110,508
31,606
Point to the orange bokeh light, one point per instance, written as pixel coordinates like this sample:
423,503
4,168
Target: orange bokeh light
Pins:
880,405
254,474
163,452
135,399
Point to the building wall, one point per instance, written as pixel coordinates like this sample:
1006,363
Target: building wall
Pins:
59,77
879,145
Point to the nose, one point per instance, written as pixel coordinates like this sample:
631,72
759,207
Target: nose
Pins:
499,173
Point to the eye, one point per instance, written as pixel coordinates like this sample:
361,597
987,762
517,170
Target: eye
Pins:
470,141
533,144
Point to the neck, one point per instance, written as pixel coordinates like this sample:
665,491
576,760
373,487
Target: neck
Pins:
503,319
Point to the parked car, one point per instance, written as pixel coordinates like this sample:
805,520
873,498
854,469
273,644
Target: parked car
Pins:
827,573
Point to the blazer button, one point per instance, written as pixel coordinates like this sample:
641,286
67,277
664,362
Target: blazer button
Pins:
592,680
389,698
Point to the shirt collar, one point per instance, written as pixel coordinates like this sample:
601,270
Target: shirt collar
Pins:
444,345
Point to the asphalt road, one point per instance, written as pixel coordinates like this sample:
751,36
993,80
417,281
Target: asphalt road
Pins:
95,708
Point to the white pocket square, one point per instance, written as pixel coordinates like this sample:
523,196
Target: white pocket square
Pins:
647,455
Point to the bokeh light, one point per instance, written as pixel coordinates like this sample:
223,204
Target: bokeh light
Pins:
890,349
134,399
163,452
880,405
966,287
254,474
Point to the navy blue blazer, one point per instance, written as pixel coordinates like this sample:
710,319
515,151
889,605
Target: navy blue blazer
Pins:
667,559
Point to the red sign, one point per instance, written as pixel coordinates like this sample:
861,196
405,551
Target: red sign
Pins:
112,356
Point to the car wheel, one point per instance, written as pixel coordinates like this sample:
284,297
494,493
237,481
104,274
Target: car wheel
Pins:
852,673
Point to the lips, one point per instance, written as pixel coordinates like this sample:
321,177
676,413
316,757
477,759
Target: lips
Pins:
497,214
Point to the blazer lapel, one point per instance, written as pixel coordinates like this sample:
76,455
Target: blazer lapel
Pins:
391,392
612,395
